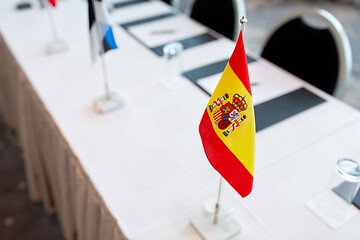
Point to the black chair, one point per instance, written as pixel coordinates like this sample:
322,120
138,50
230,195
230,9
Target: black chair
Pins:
313,45
223,16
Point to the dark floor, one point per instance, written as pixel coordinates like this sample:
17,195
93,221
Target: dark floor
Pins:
24,220
20,218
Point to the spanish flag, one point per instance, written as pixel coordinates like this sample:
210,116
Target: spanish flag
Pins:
227,128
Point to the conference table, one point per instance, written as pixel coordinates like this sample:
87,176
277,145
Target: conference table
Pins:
140,172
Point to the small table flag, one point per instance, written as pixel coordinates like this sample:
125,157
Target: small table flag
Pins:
227,128
100,29
52,2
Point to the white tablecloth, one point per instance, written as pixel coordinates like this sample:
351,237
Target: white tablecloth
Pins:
140,172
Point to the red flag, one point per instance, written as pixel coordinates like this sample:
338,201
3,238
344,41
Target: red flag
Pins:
52,2
227,128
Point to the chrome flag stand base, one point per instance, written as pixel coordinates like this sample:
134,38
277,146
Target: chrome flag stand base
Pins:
56,46
226,227
109,103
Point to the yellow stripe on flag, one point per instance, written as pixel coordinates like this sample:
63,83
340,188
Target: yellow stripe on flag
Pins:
240,141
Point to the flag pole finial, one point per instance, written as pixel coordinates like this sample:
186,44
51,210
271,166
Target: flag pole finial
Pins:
243,20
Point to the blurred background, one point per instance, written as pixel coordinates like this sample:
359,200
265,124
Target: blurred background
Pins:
22,219
262,15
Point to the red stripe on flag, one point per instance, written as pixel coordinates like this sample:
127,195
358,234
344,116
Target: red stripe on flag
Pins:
238,63
223,160
52,2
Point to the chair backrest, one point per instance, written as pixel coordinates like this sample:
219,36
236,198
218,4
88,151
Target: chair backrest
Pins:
183,5
167,1
319,54
223,16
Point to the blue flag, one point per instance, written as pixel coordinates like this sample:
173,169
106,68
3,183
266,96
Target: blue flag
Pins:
101,34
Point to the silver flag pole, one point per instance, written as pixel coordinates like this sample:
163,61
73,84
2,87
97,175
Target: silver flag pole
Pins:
52,22
102,52
243,20
217,206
